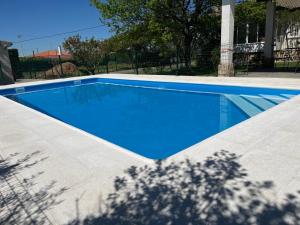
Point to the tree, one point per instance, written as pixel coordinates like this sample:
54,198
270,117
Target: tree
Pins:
250,19
185,21
161,21
250,11
87,52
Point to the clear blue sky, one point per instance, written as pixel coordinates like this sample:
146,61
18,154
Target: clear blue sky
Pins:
26,19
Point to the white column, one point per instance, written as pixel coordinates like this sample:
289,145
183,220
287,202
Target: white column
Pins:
247,33
257,32
226,67
269,35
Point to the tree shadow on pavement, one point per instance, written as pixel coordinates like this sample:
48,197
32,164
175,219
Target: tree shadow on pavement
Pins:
22,201
215,192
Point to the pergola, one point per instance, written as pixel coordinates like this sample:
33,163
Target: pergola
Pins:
226,67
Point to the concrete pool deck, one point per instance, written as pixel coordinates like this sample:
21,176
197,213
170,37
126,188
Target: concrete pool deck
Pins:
81,168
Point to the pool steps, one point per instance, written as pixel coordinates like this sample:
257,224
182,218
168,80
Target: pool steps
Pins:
20,90
259,102
252,105
276,99
77,82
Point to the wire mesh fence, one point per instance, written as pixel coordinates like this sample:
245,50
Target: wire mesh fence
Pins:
141,62
128,62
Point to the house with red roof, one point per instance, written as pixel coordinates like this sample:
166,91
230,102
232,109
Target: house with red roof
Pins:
53,54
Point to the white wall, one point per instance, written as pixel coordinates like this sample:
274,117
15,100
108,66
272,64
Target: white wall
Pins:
292,39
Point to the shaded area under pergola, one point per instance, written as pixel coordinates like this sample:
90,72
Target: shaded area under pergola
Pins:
226,67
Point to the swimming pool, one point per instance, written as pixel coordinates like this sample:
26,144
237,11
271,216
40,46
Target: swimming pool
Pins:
152,119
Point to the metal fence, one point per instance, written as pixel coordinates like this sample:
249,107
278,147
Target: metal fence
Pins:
138,62
131,62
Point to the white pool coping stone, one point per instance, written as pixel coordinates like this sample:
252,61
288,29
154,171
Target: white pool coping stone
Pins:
268,143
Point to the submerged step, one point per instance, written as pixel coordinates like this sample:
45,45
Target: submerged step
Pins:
274,98
287,96
260,102
77,82
245,106
20,90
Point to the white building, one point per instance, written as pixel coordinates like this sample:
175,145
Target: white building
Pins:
289,39
254,42
226,67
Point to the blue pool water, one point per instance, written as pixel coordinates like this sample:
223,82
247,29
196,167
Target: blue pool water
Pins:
152,119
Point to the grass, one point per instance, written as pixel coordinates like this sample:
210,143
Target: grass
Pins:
293,64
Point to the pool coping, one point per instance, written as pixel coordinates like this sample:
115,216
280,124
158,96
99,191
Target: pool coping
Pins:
282,83
225,139
136,77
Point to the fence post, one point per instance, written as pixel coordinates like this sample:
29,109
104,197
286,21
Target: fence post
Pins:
33,57
136,62
59,59
106,60
52,66
177,60
30,67
61,67
116,62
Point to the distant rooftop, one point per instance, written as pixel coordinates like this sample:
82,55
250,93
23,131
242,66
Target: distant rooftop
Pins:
53,54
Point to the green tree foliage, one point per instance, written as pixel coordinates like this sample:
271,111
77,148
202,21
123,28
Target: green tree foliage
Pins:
87,53
250,11
250,19
182,23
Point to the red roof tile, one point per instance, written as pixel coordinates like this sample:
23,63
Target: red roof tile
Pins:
52,54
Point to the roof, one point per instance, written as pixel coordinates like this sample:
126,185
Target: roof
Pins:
52,54
291,4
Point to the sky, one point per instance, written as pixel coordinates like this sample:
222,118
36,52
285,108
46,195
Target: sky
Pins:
26,19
